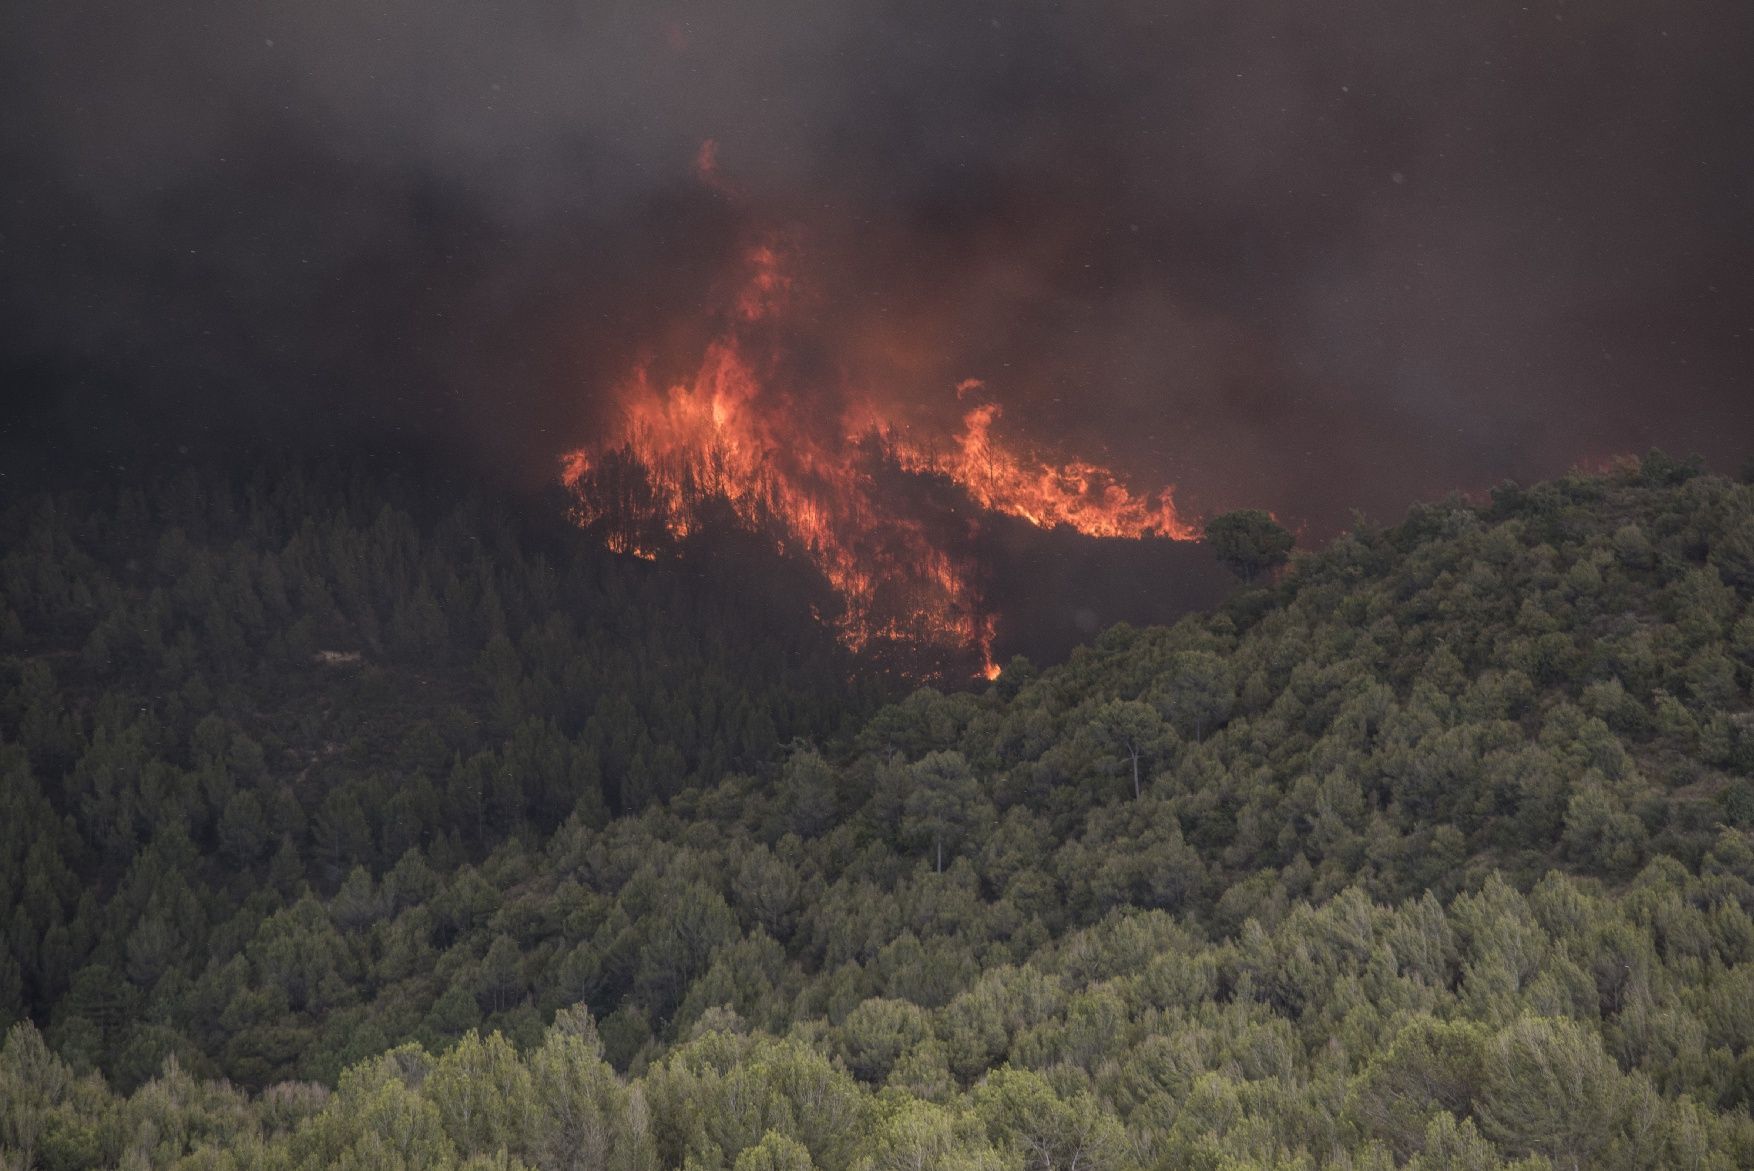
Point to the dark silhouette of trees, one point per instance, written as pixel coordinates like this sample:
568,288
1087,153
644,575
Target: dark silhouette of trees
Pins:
1248,542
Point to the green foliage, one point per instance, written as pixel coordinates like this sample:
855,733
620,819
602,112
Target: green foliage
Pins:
240,703
1430,1069
1042,1131
1248,542
1434,853
1550,1089
940,807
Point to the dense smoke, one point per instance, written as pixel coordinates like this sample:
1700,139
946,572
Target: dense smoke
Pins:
1308,257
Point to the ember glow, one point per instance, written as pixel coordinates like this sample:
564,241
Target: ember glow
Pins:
889,511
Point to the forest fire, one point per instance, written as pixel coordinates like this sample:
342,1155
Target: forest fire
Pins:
888,515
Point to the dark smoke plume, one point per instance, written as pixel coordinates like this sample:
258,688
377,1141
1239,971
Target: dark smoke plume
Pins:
1307,257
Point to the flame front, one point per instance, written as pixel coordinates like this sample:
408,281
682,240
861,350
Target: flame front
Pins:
1079,495
887,518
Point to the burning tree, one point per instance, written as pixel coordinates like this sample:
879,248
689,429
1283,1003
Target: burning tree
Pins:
888,519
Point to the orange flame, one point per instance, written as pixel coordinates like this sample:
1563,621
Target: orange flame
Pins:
1079,495
727,433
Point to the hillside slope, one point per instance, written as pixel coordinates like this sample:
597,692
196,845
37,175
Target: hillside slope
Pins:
1439,852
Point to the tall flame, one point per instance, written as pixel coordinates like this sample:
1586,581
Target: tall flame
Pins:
888,519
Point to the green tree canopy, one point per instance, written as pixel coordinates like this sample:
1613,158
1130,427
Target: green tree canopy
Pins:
1248,542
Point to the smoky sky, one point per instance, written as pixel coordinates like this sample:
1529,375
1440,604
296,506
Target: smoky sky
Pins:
1312,257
